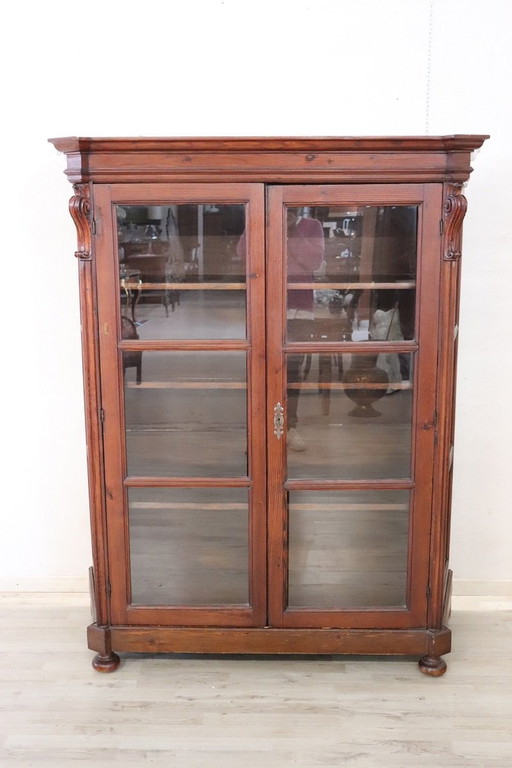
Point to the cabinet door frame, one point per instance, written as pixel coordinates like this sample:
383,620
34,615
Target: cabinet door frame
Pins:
116,479
428,198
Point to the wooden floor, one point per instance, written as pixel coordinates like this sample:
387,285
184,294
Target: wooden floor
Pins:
203,712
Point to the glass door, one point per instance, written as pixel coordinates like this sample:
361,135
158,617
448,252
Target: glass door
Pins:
181,318
352,353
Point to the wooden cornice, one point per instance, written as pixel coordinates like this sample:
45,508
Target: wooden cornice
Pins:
270,159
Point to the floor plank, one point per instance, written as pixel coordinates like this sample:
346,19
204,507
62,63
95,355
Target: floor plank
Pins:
186,712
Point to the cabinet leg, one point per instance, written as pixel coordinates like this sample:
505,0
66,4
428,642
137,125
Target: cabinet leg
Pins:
435,666
108,663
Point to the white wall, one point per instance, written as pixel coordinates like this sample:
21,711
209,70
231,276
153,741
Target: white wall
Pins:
225,67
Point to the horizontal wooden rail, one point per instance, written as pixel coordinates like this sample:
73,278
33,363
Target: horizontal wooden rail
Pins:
349,485
369,347
185,345
135,481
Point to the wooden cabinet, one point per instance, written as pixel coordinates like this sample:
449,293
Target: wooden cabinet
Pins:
269,335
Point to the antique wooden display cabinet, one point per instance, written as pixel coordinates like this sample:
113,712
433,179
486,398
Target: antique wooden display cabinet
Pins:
269,335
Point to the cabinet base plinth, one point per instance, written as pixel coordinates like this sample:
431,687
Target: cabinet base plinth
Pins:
434,666
417,642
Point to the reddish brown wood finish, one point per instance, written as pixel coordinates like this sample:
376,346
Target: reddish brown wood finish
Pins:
117,478
271,160
428,171
428,197
454,209
380,642
81,210
434,666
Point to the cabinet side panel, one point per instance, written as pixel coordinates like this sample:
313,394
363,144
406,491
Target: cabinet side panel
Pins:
92,398
454,208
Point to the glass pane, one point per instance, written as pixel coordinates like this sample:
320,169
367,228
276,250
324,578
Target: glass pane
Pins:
349,416
188,415
189,546
351,273
348,548
182,270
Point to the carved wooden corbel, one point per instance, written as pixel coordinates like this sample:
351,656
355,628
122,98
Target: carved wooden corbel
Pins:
80,209
455,207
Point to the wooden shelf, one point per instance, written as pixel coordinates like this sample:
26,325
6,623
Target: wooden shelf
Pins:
404,285
187,385
348,385
303,385
237,507
130,285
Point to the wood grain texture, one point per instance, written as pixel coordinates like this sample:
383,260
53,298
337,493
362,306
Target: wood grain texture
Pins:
281,641
408,452
275,160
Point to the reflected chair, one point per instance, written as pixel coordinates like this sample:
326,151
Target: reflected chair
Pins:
154,262
131,358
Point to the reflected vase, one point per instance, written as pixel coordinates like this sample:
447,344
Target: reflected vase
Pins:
363,371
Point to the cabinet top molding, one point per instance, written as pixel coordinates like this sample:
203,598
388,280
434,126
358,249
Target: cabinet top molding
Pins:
272,159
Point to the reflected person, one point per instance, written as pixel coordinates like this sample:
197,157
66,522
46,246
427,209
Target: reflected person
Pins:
386,326
305,254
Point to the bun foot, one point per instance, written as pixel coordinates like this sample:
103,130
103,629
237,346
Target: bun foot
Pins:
435,666
106,663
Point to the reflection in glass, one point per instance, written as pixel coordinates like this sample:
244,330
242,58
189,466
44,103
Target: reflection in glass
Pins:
181,273
188,416
348,549
304,255
188,546
351,273
349,416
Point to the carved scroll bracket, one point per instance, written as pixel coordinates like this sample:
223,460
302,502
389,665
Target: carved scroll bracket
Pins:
455,207
81,213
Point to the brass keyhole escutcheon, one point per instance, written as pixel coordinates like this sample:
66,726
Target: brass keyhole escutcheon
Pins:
278,420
